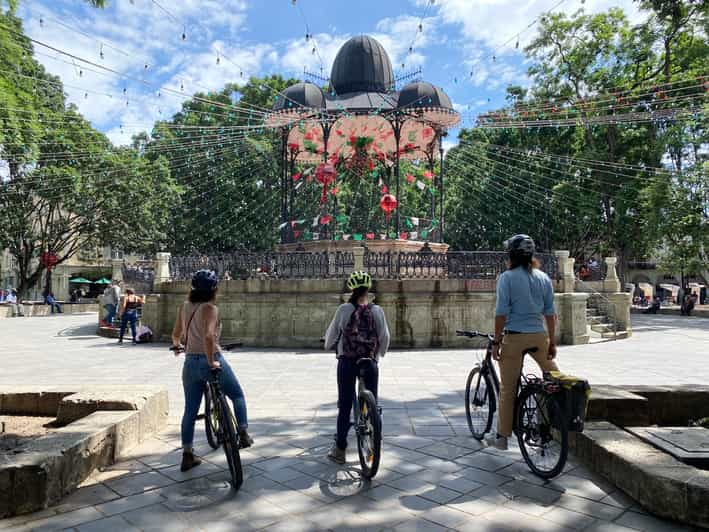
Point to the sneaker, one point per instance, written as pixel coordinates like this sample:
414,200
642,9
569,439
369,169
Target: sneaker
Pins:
245,440
498,442
336,454
189,460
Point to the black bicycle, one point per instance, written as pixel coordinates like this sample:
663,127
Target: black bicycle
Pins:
539,422
221,425
367,423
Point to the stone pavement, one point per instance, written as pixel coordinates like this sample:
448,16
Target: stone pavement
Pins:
434,476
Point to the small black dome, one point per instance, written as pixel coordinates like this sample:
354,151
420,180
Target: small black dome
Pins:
362,65
422,94
300,95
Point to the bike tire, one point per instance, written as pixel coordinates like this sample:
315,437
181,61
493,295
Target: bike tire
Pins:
369,458
478,430
211,419
552,425
230,443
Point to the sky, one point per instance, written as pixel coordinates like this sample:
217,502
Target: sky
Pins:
230,40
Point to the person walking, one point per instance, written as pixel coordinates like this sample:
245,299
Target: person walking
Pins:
358,330
525,301
129,314
198,328
112,295
52,302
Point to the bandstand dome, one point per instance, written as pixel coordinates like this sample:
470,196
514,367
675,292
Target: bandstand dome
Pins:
302,94
362,65
423,94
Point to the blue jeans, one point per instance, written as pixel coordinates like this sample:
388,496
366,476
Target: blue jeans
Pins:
55,307
347,371
129,316
111,309
195,373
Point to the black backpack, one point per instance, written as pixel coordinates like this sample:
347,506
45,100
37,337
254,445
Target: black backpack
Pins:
360,338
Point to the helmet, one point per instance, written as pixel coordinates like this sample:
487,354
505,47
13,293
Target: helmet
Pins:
204,280
520,245
359,279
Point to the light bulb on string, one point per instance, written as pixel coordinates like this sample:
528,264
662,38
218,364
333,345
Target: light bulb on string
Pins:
81,73
100,51
86,96
182,86
146,66
307,37
420,27
314,50
494,58
41,22
218,59
517,43
184,33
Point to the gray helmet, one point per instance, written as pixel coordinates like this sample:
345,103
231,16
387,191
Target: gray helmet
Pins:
520,245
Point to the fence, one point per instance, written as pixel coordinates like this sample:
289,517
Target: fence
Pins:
139,278
485,265
290,265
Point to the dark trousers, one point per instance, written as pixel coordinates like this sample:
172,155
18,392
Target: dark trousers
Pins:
55,307
129,316
347,372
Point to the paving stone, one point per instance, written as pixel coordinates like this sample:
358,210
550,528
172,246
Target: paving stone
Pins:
527,506
483,477
444,450
108,524
203,470
569,518
138,483
440,494
485,461
447,516
648,523
87,496
606,512
471,505
126,504
157,518
418,525
459,483
67,520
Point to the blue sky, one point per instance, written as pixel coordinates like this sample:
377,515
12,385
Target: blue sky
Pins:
259,37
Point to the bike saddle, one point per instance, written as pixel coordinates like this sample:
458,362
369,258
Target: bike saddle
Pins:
530,350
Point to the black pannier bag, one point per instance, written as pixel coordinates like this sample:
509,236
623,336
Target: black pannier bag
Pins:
573,395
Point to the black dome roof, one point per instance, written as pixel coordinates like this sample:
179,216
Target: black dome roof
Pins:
362,65
423,94
300,95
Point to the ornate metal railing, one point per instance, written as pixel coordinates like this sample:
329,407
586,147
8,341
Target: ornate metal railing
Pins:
139,278
485,265
244,265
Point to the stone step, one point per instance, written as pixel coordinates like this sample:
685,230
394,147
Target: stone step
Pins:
617,335
602,327
593,320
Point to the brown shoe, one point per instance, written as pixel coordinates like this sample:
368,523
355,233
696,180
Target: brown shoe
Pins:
189,460
245,440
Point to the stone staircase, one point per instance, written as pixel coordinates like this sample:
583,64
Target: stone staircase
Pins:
601,326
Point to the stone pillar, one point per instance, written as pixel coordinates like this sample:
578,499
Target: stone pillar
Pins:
358,258
117,269
162,267
566,271
611,284
572,316
620,303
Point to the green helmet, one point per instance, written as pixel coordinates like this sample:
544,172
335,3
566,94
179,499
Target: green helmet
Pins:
359,279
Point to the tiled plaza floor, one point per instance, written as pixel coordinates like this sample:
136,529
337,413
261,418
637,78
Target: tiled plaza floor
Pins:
434,476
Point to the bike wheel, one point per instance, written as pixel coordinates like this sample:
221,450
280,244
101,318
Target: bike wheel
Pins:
369,434
542,432
479,403
230,442
211,419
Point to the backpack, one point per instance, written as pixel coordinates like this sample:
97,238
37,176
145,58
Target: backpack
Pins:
360,338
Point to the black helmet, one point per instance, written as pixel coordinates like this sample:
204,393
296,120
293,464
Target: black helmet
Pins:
520,245
204,280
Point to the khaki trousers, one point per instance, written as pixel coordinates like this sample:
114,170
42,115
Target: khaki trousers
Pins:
513,345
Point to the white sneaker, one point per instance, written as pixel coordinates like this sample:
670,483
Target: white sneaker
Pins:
498,442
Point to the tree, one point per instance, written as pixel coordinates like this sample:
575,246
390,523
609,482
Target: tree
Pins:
67,187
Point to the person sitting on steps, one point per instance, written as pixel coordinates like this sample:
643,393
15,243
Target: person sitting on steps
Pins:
356,311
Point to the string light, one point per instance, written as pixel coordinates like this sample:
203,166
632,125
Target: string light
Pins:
184,33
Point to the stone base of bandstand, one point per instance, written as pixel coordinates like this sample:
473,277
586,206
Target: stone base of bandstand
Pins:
295,313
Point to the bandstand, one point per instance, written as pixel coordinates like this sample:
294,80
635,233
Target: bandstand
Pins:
359,130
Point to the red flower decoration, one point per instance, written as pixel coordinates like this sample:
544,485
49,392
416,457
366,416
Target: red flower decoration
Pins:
404,235
325,219
334,191
293,146
325,174
388,204
428,174
370,236
410,178
385,189
297,176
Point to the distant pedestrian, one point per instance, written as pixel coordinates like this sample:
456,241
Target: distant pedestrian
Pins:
652,309
49,300
18,309
129,314
687,305
112,296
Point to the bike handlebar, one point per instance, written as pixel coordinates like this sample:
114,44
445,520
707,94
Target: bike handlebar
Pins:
475,334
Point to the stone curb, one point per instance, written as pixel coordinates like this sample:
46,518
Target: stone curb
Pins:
660,483
104,424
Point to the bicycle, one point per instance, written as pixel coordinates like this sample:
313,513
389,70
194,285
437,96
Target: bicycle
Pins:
367,423
538,421
220,423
